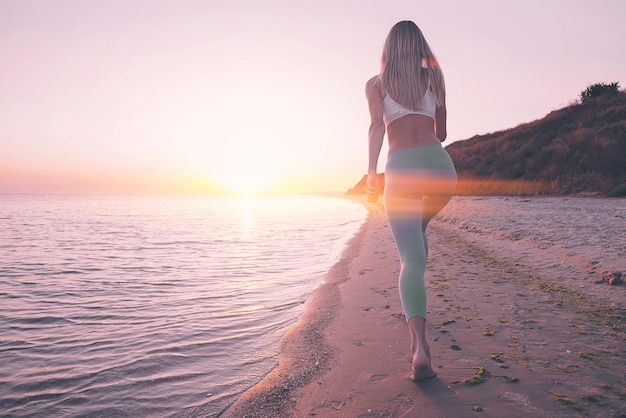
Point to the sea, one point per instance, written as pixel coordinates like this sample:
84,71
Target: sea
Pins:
154,306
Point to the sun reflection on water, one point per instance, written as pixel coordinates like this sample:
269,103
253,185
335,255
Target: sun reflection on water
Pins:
246,218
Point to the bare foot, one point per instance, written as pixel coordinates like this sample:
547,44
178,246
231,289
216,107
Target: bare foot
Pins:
421,368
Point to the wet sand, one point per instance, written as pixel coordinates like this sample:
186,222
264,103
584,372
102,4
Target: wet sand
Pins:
508,337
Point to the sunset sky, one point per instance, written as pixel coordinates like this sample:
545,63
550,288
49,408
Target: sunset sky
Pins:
185,96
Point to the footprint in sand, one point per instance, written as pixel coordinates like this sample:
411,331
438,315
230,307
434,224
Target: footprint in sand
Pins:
378,377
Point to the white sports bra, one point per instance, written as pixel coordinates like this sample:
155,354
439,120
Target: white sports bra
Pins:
393,110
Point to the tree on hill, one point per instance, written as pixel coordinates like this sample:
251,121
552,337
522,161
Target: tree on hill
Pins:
599,89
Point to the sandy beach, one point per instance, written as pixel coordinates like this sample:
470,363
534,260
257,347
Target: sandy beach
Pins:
508,336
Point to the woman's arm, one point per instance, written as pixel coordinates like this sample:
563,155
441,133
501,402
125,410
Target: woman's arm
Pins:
376,132
441,115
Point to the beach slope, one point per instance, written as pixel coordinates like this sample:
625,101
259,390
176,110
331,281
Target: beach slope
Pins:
506,340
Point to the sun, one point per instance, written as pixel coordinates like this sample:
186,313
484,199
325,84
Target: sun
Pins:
254,154
248,167
247,182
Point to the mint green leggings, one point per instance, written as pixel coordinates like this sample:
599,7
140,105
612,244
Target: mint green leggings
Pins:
419,182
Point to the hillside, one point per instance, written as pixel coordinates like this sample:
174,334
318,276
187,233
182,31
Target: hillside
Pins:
578,149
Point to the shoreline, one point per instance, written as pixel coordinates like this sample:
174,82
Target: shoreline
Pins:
505,335
304,351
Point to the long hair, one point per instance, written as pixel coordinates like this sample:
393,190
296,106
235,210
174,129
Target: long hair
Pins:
409,67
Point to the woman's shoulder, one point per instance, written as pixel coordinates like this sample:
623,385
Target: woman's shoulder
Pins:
374,81
374,84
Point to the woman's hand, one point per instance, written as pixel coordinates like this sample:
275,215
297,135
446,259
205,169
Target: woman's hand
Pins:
372,188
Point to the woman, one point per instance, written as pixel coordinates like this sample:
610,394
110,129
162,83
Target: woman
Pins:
407,101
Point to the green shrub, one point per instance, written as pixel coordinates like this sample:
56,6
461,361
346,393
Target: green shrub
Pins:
599,89
619,191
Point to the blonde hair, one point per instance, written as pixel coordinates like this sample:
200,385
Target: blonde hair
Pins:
409,67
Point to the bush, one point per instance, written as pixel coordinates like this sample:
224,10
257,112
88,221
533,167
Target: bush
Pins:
619,191
599,89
